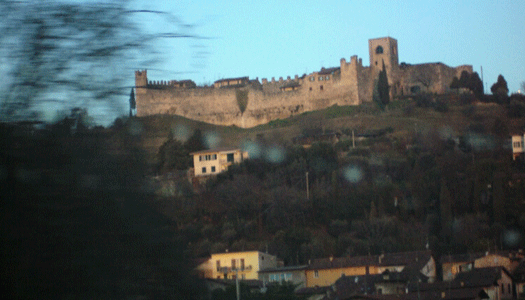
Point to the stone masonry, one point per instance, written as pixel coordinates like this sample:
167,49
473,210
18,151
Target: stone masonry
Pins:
247,103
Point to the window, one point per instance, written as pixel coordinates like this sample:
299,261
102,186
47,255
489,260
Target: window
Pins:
321,78
242,263
415,89
379,50
203,170
229,157
310,88
213,169
207,157
316,274
218,264
321,87
233,264
327,78
312,78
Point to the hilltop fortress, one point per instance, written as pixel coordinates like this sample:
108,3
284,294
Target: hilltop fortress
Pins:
246,103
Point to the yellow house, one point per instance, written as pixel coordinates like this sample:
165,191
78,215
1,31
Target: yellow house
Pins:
246,264
326,271
453,265
215,161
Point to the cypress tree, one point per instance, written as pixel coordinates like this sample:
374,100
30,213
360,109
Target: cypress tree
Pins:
383,88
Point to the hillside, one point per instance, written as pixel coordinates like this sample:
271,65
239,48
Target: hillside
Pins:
403,117
435,175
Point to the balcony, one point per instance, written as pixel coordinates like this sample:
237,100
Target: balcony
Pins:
226,270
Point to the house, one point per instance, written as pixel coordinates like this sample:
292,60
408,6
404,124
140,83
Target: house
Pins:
215,161
519,280
518,145
495,281
295,275
229,265
324,272
403,285
454,264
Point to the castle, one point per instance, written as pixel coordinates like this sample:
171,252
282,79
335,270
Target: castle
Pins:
245,102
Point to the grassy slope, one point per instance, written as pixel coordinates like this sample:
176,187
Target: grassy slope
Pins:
403,116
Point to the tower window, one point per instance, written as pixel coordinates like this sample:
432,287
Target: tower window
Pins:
379,50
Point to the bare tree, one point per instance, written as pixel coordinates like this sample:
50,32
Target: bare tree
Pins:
70,53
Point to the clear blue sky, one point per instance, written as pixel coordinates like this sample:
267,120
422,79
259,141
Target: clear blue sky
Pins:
270,38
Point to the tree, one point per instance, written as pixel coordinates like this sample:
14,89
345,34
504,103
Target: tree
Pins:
195,142
172,155
383,88
132,103
68,53
469,81
500,90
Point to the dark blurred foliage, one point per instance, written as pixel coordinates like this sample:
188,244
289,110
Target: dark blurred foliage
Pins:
429,193
70,53
77,221
175,155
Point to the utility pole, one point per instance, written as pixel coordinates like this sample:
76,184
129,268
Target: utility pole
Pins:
307,190
353,139
482,82
237,288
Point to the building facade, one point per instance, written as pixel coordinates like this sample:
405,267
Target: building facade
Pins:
215,161
243,265
247,103
518,141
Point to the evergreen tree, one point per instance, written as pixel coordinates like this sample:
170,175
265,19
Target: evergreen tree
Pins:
195,142
455,83
132,103
500,90
383,88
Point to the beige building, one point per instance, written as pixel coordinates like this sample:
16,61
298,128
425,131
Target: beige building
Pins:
229,265
518,147
292,274
215,161
326,271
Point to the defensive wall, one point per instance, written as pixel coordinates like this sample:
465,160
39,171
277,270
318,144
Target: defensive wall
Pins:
246,103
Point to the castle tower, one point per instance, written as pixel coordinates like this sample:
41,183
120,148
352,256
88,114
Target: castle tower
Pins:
141,82
383,50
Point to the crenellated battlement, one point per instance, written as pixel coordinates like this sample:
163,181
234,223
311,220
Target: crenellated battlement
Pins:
246,102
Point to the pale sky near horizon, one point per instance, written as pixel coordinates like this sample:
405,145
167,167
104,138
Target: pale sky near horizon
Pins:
271,38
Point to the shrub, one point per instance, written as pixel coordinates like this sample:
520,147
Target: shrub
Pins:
441,106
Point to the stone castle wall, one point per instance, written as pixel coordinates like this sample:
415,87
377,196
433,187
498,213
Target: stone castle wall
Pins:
349,84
